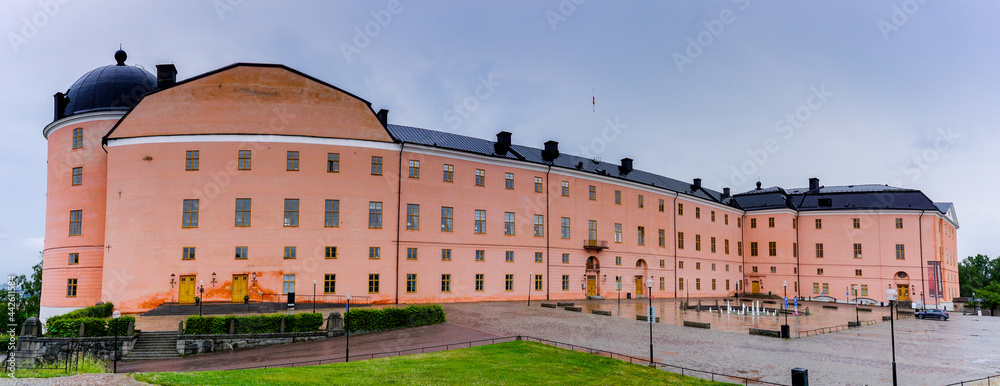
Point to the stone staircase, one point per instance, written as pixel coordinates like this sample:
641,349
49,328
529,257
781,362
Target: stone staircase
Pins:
154,345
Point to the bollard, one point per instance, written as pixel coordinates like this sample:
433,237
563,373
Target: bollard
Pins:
800,377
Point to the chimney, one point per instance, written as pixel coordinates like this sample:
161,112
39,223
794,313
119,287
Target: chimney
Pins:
383,117
626,166
696,185
502,146
551,151
166,76
725,192
813,184
59,105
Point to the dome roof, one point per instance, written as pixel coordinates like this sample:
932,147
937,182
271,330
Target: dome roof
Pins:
113,87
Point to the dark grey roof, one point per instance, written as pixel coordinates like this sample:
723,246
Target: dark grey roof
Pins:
113,87
529,154
849,189
836,197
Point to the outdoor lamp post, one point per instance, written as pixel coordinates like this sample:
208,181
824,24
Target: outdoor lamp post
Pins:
347,332
652,318
891,295
687,290
529,289
857,305
213,279
116,315
618,279
201,296
173,279
314,296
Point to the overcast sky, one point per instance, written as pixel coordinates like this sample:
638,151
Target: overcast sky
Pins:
851,92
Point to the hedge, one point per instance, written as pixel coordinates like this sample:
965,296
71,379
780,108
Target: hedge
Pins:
99,311
387,318
92,326
254,324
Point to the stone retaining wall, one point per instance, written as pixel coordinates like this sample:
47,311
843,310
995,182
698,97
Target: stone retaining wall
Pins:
198,344
33,350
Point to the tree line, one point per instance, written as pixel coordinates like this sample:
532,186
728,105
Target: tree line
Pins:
979,278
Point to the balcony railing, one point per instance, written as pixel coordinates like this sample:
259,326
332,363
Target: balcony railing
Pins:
595,245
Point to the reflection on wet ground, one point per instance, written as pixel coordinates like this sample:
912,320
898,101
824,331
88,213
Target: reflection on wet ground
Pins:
730,314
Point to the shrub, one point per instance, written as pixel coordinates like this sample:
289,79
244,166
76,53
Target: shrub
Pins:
71,327
387,318
120,326
254,324
99,311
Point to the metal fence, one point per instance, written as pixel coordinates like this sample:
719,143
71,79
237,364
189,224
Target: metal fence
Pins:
825,330
985,381
65,360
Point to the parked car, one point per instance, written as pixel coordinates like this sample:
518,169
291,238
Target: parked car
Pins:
932,314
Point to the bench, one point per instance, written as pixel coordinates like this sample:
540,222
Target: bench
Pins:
830,307
574,309
763,332
599,312
688,323
564,304
646,319
548,305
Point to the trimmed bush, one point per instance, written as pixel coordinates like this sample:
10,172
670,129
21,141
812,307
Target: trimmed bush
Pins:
120,326
99,311
255,324
387,318
71,327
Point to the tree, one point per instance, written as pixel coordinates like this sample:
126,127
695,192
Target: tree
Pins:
27,297
990,295
977,272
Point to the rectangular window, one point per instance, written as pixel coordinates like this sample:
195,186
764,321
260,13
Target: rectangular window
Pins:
77,176
753,248
713,218
697,214
412,216
725,246
899,223
795,249
539,225
411,253
508,282
242,212
538,184
374,215
411,283
191,160
480,218
663,263
291,212
662,233
819,271
78,138
819,250
71,288
697,242
592,230
641,235
774,269
508,256
538,257
374,253
190,219
188,253
826,288
618,233
333,162
697,284
727,284
753,269
376,165
713,284
565,258
739,248
449,173
373,281
680,240
618,197
680,283
447,218
565,188
857,272
75,222
508,180
331,214
480,255
330,283
330,252
565,282
290,252
680,264
74,258
292,162
446,282
739,222
564,227
697,266
900,252
663,283
538,282
856,222
244,162
770,222
727,267
753,223
446,254
819,223
480,282
414,169
713,244
508,223
618,260
641,202
795,223
680,209
864,290
480,177
661,205
815,288
772,248
592,192
725,219
242,253
857,250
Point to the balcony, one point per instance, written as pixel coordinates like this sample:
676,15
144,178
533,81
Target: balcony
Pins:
595,245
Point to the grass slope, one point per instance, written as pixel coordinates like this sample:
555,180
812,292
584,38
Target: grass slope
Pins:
502,363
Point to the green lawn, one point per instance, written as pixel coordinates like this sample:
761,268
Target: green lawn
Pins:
502,363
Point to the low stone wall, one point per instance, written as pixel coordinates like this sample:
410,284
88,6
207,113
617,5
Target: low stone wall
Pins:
33,350
688,323
600,312
199,344
763,332
574,309
549,305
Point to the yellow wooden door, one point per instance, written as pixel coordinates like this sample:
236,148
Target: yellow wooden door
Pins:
591,285
186,290
904,292
638,286
756,287
239,288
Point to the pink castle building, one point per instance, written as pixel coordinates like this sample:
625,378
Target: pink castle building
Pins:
256,180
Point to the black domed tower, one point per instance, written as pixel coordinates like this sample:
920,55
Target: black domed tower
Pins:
77,182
